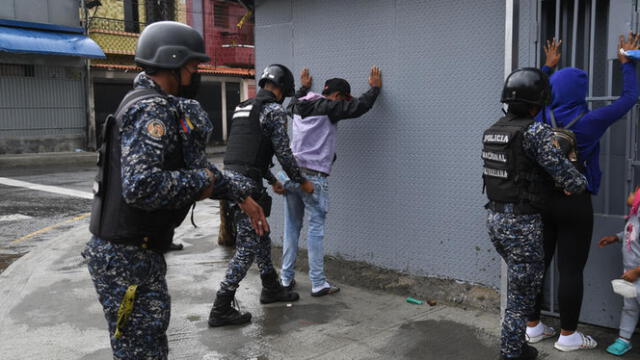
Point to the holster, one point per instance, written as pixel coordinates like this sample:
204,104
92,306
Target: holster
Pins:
264,200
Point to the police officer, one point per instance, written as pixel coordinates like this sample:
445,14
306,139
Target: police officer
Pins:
144,190
258,132
521,164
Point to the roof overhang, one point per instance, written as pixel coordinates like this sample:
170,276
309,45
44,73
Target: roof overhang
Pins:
24,37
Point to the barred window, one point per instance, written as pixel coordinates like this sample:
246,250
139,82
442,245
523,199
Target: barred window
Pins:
17,70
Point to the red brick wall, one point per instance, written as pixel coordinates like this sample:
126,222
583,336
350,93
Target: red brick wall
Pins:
215,37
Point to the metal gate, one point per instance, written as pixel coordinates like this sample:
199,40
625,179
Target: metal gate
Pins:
41,100
589,30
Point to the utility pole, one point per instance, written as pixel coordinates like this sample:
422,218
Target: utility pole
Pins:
88,88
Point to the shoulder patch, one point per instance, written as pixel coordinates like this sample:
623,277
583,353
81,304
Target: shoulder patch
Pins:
156,129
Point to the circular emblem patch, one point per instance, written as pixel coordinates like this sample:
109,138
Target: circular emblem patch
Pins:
156,129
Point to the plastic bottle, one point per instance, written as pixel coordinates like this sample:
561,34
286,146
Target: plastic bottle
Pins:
414,301
632,54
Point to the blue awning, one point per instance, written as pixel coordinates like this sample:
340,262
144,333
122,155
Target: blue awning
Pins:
20,40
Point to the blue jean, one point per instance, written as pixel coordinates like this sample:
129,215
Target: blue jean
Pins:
316,205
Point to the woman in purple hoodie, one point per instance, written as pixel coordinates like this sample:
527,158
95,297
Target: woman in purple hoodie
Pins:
568,220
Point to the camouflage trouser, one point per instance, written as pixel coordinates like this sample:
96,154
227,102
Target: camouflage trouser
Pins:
249,246
518,240
113,269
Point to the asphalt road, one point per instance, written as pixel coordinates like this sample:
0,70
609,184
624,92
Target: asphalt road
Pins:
29,216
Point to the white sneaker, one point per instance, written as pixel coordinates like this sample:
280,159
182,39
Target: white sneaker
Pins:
547,332
587,343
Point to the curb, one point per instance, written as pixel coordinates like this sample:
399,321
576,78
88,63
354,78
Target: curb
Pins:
45,159
10,161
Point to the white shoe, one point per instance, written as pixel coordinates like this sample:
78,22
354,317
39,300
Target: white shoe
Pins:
587,343
547,332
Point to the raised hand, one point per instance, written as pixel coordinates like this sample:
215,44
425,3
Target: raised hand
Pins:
306,80
552,52
375,77
627,44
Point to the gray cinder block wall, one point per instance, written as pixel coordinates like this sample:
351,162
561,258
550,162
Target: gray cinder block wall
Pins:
406,190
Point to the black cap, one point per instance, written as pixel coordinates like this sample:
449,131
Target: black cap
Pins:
339,85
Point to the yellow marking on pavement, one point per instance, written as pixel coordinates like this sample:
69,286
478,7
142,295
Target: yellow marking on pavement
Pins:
51,227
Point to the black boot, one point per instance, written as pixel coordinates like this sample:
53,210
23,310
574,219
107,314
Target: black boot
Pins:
223,313
273,291
528,353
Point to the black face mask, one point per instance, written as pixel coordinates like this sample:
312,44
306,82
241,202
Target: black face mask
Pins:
190,91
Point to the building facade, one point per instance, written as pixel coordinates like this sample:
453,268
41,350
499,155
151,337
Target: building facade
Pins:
43,76
116,26
406,190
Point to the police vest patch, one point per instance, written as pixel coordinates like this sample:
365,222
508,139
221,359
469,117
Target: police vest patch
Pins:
156,129
493,156
242,111
496,139
496,173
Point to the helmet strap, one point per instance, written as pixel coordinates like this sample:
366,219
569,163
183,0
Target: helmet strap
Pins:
178,76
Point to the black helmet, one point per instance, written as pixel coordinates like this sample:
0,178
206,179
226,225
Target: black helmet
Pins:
526,85
281,76
169,45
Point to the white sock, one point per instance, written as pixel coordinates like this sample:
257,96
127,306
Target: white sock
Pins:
572,340
535,330
625,340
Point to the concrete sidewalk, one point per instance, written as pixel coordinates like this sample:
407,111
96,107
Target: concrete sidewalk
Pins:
49,310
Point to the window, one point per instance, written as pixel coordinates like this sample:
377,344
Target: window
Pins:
158,10
221,15
131,16
17,70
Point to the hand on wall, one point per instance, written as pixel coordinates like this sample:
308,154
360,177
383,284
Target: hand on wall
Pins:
306,80
375,77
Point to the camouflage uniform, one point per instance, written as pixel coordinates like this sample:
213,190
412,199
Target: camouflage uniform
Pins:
518,238
249,245
195,129
150,128
113,268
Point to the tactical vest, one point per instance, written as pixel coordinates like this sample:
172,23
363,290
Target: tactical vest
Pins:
249,151
112,218
510,176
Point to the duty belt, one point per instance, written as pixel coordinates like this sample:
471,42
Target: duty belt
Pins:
517,209
143,242
313,172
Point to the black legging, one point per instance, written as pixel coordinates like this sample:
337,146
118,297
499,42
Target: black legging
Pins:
568,223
